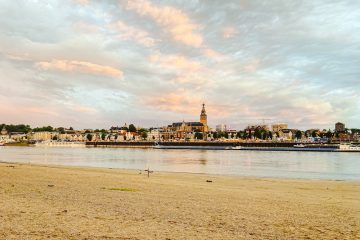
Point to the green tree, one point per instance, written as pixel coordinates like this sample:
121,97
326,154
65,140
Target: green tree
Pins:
329,134
61,130
314,134
103,136
132,128
215,135
144,135
198,135
257,133
270,135
226,135
238,134
89,137
298,134
44,129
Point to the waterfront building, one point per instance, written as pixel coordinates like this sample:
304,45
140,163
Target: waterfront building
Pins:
155,134
4,135
278,126
221,128
339,127
4,131
287,134
184,130
42,136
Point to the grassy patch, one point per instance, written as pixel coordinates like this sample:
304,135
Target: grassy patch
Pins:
17,144
123,189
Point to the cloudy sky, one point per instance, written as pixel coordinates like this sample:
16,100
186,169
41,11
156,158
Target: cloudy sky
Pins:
89,63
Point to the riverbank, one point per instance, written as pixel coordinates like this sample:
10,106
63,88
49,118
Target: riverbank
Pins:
38,201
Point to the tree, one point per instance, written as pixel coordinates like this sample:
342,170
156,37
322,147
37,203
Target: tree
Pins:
89,137
71,128
215,135
298,134
226,135
257,133
103,136
144,135
238,134
270,135
132,128
55,138
314,134
44,129
329,134
16,128
198,135
61,130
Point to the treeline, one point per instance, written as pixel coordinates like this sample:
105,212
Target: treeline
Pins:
16,128
26,128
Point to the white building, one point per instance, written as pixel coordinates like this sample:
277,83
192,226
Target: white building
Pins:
43,136
154,134
4,135
221,128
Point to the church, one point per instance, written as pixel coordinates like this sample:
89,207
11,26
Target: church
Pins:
181,130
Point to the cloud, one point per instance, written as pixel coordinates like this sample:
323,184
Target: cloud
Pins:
286,60
173,20
83,2
126,32
229,32
81,67
177,62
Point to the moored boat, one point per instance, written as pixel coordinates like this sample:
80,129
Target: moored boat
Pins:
59,144
349,147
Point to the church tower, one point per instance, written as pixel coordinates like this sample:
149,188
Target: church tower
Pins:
203,118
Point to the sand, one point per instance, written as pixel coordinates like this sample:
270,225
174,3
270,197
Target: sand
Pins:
57,202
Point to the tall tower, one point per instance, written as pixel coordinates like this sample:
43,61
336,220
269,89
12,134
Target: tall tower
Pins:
203,118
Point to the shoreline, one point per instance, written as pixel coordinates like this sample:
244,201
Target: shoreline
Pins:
179,172
66,202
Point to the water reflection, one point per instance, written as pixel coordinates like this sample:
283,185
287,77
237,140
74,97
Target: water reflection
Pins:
252,163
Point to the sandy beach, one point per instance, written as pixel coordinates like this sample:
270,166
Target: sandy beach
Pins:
57,202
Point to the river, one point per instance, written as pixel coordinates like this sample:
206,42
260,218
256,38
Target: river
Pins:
305,165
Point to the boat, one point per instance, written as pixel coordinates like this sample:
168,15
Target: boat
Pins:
188,147
299,146
59,144
349,147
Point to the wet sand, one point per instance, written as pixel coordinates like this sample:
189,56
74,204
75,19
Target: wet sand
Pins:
57,202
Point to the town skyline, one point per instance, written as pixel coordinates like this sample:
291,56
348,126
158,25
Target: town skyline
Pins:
91,64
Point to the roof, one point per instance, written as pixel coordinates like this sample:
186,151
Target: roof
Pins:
194,124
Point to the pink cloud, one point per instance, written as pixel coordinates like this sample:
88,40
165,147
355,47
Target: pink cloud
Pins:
83,109
83,2
177,62
229,32
81,67
126,32
173,20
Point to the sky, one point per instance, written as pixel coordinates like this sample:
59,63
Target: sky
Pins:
96,64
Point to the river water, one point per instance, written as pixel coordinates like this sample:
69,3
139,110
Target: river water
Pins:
306,165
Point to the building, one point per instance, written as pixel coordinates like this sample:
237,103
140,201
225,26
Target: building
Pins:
183,130
43,136
287,134
339,127
203,118
4,135
221,128
155,134
278,126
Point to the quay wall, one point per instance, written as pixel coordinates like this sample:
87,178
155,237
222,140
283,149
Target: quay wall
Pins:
207,144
